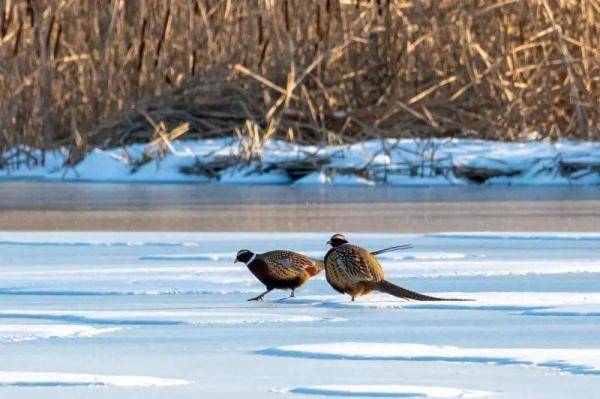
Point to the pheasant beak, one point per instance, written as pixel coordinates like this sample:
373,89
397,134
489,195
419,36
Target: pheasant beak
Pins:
235,261
329,242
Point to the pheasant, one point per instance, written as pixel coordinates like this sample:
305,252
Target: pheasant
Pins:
353,270
284,270
287,270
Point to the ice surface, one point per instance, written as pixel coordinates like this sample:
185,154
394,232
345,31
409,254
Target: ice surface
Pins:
575,361
30,332
40,379
155,317
389,391
489,268
531,303
519,235
180,308
569,310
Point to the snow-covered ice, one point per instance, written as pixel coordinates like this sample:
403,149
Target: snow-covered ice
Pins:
481,235
29,332
154,317
526,303
569,310
576,361
80,310
41,379
389,391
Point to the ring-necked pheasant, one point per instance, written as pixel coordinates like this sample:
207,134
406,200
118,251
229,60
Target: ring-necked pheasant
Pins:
355,271
287,270
284,270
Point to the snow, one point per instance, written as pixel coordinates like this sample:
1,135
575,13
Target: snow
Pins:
253,175
575,361
570,310
389,391
401,162
40,379
31,332
80,310
530,303
491,268
154,317
331,178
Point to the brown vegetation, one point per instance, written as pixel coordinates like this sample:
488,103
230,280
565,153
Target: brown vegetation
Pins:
87,73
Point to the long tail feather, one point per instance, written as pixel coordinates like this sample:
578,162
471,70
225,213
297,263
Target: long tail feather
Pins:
393,289
394,248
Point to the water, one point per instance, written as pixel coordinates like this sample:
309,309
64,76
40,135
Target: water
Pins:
168,207
82,196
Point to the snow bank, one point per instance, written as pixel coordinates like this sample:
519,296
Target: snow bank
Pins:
38,379
402,162
574,361
388,391
30,332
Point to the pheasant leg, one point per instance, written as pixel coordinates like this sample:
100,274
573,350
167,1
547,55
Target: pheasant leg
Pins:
260,297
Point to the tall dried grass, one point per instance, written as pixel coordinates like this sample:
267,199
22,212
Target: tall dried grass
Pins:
94,73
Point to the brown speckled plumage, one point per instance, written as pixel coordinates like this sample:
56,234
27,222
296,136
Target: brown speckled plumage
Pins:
350,269
353,270
283,270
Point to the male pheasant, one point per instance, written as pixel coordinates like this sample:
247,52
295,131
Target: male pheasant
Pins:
353,270
284,270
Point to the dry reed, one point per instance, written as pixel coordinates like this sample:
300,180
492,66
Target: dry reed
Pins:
93,73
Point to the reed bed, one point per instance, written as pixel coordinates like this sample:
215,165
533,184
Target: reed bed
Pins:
89,73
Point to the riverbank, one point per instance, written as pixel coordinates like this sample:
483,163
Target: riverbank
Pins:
391,162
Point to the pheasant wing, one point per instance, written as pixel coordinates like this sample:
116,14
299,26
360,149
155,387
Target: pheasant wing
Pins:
286,265
355,264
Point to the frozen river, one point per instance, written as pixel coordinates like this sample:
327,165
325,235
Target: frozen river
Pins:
155,315
94,310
